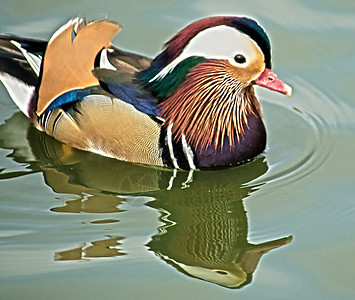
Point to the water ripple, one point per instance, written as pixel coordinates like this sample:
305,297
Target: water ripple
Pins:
301,131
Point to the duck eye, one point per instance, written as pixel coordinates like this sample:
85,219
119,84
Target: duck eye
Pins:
240,59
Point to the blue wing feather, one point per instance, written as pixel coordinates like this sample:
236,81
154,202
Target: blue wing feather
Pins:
132,93
65,98
70,96
126,91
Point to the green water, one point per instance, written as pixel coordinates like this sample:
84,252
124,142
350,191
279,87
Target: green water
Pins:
75,225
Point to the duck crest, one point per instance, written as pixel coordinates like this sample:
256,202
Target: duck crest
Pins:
175,46
209,106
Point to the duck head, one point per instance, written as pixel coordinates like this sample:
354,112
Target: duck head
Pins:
204,79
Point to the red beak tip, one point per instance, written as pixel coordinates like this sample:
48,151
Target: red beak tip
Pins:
288,90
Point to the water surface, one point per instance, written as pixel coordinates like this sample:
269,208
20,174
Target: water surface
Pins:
77,225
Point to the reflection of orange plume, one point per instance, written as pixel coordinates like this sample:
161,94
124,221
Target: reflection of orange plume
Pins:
101,248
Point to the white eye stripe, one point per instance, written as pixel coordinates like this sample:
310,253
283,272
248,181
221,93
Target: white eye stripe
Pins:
220,42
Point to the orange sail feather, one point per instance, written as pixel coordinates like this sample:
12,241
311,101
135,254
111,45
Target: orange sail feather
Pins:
68,63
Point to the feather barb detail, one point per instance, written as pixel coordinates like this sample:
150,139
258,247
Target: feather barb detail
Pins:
210,107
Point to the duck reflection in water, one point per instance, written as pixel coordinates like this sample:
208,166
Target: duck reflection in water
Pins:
205,227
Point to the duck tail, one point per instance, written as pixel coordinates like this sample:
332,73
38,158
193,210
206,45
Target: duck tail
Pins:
20,63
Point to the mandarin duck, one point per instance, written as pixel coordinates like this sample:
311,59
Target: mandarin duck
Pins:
191,107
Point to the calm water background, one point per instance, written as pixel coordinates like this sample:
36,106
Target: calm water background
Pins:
75,225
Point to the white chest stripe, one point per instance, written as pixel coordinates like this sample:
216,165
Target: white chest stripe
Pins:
171,148
188,153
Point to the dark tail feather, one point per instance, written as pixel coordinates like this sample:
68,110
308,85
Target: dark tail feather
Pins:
20,61
35,46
